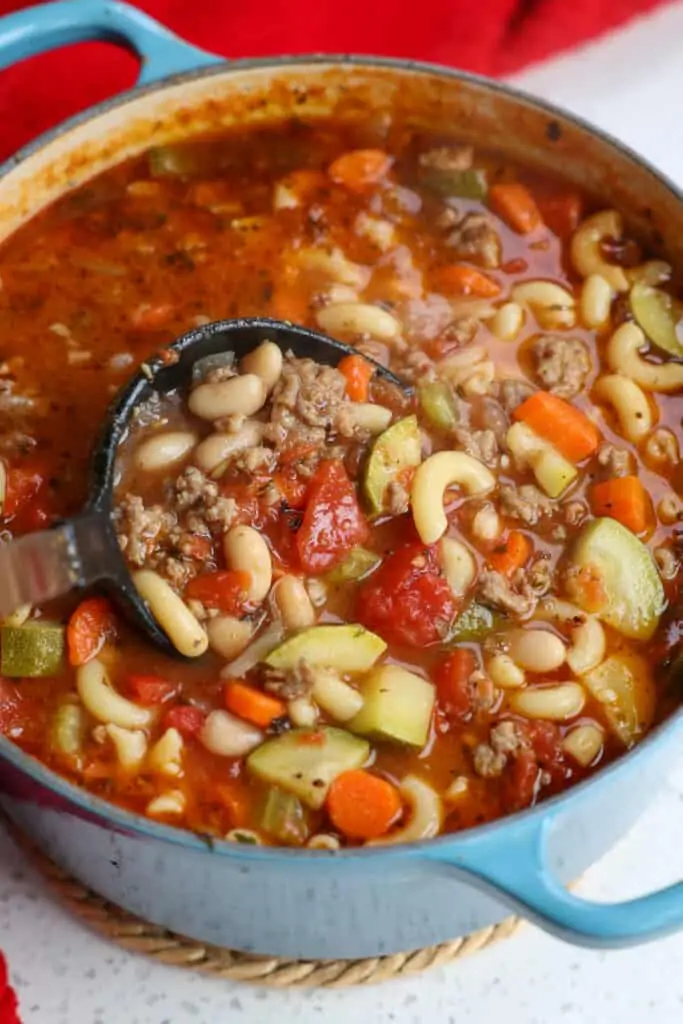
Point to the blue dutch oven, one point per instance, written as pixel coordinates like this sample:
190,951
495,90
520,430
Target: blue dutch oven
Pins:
358,902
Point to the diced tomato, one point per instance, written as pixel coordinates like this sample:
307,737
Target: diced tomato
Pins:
407,600
198,547
19,715
561,212
90,626
519,782
292,487
26,503
333,522
151,689
453,686
227,590
148,317
186,719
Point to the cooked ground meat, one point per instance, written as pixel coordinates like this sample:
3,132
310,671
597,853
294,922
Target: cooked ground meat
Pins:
461,332
492,416
614,461
505,738
494,589
290,684
476,239
195,493
527,503
513,392
574,512
307,392
538,574
219,374
487,762
255,460
562,364
415,366
667,563
481,444
448,158
140,530
483,691
397,499
662,446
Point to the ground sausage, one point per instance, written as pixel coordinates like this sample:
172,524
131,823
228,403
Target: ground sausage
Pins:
494,589
476,239
527,503
614,461
448,158
562,364
513,392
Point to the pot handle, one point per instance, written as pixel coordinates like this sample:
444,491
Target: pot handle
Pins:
48,26
514,864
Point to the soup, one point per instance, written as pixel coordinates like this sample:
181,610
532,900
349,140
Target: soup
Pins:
403,611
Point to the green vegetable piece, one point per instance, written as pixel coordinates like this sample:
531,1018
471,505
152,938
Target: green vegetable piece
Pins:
634,596
357,564
397,705
34,649
623,684
395,450
67,730
284,818
306,762
660,316
436,401
474,623
350,648
468,184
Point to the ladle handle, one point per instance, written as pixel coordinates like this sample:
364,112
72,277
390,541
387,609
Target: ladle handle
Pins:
40,566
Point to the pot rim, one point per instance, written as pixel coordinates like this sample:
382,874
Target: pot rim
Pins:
140,826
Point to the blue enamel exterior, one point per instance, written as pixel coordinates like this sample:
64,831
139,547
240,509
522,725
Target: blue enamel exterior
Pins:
313,904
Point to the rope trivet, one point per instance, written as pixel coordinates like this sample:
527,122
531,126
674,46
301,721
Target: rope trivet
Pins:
166,947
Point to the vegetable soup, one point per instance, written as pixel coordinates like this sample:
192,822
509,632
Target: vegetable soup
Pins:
403,612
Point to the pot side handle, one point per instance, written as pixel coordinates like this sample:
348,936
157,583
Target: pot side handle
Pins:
517,869
48,26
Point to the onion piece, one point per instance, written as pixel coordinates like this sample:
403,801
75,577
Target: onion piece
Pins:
255,652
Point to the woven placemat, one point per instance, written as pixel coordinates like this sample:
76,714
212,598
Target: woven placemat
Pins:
166,947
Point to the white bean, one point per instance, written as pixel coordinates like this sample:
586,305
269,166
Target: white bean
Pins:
486,524
293,603
670,509
246,550
458,565
163,450
217,449
359,318
508,321
505,673
368,416
595,303
171,612
321,841
245,394
228,736
266,362
536,650
584,743
588,646
104,703
302,712
337,699
430,483
629,402
228,636
555,703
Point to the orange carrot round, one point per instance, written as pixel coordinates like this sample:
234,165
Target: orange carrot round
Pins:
512,554
516,206
358,373
253,705
459,279
625,499
360,169
361,805
90,626
561,423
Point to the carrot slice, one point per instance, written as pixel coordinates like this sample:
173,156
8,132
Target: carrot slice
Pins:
623,498
90,626
513,554
516,206
361,805
460,279
361,169
253,705
559,422
358,373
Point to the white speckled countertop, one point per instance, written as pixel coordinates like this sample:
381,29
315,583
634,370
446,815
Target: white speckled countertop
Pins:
630,84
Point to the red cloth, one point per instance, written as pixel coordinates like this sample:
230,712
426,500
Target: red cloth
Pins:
492,37
9,1008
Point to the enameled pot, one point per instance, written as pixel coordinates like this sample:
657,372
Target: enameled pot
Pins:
358,902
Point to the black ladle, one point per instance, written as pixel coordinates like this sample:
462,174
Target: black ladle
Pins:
84,551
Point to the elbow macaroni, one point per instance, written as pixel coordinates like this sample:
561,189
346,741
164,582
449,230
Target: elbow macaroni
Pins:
623,356
433,477
629,402
585,248
425,818
104,703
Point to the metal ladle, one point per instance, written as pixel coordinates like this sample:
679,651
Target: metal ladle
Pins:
84,551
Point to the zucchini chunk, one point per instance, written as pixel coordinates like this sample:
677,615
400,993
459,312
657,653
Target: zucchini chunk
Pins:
397,705
350,648
34,649
396,449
